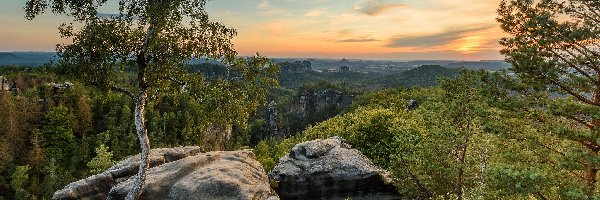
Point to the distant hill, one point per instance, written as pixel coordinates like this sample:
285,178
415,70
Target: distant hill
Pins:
26,58
487,65
389,67
344,62
423,76
352,79
8,56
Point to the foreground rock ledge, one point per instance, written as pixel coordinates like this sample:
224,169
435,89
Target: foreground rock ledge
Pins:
179,173
329,169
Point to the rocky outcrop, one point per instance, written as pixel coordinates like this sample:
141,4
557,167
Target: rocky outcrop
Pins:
330,169
324,99
179,173
273,119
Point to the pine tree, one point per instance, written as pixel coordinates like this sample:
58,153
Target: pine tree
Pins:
102,161
52,181
59,139
554,46
19,180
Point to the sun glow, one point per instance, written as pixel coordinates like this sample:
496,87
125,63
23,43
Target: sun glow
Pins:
362,29
470,44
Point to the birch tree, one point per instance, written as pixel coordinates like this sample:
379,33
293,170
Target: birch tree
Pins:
141,50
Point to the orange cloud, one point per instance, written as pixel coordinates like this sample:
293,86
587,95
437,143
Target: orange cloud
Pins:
434,40
376,7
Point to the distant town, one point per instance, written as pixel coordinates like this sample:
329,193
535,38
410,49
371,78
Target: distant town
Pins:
321,65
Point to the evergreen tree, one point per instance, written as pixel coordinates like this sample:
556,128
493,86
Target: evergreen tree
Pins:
19,179
59,140
52,181
264,155
554,46
102,161
8,130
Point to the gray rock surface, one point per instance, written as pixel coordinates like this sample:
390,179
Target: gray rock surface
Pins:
179,173
330,169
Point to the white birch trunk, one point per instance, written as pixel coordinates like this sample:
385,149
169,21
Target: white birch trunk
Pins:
142,133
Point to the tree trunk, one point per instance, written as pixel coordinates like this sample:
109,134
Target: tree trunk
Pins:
595,129
591,178
142,133
461,170
418,182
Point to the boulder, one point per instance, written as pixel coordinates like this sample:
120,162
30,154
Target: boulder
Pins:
330,169
179,173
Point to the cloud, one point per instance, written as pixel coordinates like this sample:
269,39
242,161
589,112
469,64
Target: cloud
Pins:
433,40
376,7
435,55
270,10
349,36
264,5
343,32
314,13
359,39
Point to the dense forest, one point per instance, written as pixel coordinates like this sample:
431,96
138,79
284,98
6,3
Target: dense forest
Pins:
478,133
501,137
529,132
55,131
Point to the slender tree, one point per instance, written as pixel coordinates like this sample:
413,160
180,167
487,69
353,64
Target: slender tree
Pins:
154,39
463,107
555,46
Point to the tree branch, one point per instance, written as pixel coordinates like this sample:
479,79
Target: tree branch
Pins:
182,84
594,53
551,162
583,15
418,182
582,52
551,149
592,9
581,121
581,71
541,196
573,93
122,90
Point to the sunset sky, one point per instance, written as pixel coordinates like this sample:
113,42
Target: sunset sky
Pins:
362,29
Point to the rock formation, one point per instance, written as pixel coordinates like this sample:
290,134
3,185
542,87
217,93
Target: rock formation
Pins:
329,169
273,118
412,104
320,169
179,173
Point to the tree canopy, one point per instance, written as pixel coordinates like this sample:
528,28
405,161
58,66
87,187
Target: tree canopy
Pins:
154,39
555,46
